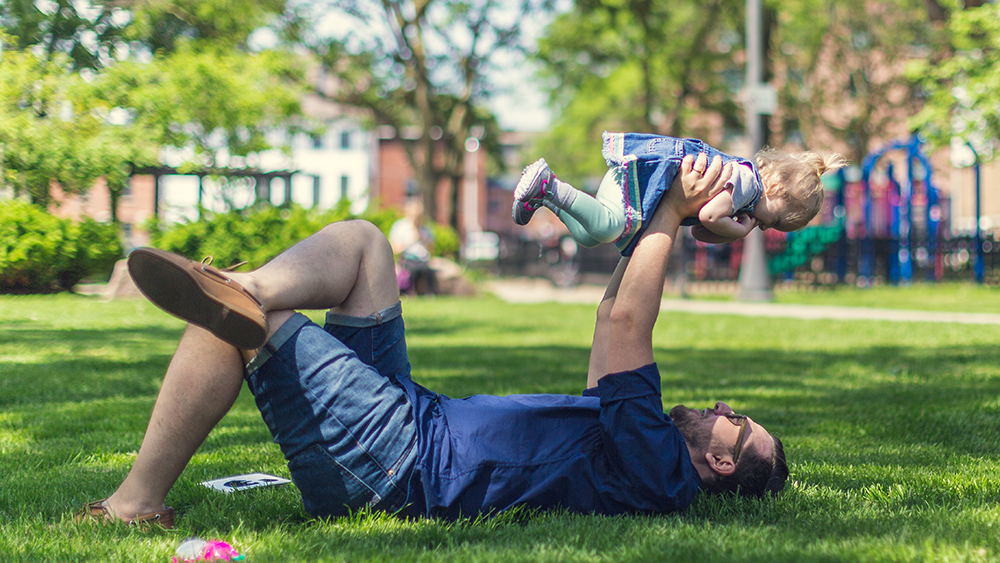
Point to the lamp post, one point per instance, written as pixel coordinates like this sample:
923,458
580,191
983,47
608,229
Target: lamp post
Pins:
963,155
759,100
471,186
980,266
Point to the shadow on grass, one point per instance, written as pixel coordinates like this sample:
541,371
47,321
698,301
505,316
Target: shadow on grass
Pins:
883,391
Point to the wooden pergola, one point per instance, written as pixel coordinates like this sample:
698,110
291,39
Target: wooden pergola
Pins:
262,181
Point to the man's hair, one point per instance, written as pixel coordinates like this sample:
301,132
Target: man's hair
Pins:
755,474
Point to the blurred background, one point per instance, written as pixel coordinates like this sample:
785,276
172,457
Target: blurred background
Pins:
235,127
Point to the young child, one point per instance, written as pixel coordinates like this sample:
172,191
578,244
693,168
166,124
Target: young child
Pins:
780,191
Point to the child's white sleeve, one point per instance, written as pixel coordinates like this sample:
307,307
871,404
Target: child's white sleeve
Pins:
742,181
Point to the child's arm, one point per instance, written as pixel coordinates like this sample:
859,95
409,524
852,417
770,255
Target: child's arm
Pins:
716,216
701,233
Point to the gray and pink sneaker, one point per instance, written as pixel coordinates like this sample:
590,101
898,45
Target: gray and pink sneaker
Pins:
535,184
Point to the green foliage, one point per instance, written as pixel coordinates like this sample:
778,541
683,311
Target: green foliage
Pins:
54,128
255,235
848,55
250,96
207,93
382,218
85,32
388,58
41,253
98,246
258,234
636,66
165,26
963,91
446,241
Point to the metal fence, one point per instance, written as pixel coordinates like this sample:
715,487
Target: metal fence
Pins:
879,261
861,262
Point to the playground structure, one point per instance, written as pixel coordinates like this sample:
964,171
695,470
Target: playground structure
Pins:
890,225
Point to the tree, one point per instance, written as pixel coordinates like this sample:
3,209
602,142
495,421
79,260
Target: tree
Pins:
86,32
162,26
421,67
251,95
52,129
840,67
638,65
962,93
206,91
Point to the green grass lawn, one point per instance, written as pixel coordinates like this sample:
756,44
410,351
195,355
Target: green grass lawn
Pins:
955,297
892,432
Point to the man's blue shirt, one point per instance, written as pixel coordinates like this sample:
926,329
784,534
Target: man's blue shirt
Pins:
612,450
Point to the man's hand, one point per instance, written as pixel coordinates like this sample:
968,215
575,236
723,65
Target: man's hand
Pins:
634,309
696,183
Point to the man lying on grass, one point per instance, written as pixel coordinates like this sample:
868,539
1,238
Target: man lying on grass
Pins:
357,431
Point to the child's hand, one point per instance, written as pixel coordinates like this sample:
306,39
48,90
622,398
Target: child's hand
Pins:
747,221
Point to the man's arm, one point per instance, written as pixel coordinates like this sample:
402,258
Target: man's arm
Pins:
598,367
637,304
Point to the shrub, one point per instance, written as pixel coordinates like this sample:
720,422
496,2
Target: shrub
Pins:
98,247
41,253
255,235
446,241
258,234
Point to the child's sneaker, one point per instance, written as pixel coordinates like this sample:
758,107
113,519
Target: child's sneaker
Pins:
531,188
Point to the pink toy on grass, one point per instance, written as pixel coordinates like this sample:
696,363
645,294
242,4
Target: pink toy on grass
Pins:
196,549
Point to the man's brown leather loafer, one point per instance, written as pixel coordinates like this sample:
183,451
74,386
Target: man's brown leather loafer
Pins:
201,295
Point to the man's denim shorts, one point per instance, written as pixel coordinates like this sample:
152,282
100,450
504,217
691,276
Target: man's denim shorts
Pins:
331,398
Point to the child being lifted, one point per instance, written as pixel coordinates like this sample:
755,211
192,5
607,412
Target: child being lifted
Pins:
777,191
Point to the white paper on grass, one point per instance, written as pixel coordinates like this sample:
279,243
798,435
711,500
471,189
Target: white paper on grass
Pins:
244,482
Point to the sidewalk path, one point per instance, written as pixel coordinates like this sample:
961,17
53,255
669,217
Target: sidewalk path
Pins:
537,291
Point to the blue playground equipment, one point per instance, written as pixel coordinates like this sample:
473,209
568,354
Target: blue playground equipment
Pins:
900,268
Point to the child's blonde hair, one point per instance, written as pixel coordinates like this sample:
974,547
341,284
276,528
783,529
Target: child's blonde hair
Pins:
795,178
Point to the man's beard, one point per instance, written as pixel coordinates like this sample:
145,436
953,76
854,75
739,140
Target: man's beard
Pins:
697,436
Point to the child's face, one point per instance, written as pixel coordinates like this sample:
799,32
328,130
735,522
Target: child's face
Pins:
771,213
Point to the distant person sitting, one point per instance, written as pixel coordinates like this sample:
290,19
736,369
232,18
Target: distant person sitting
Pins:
411,242
774,191
357,431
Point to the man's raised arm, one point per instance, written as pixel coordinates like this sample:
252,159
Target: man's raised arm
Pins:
636,301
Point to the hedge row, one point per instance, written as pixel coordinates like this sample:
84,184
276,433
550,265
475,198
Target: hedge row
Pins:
256,235
41,253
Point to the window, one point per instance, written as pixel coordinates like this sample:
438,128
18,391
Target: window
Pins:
345,140
343,187
317,141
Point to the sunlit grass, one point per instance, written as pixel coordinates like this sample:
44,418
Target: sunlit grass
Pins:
892,431
955,297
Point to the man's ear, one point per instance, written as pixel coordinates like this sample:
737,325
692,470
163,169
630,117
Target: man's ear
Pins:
722,465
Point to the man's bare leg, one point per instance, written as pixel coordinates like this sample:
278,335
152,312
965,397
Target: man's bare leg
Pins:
347,265
200,386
